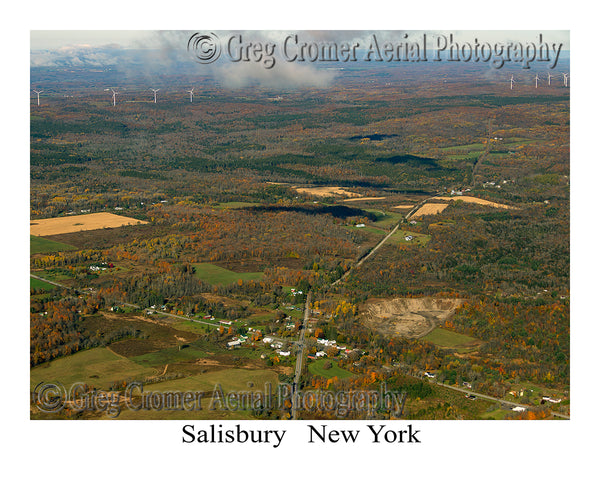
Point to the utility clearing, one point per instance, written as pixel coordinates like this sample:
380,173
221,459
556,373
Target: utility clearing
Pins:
407,317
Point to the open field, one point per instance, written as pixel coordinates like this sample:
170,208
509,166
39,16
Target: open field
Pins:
430,209
168,355
449,339
386,219
76,223
468,199
316,368
367,228
229,379
43,245
40,284
99,367
233,379
326,191
404,207
407,317
399,238
215,275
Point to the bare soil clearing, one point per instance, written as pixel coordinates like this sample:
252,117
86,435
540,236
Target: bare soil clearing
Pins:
430,209
77,223
480,201
407,317
327,191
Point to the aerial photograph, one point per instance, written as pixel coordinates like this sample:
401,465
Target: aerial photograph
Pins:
299,225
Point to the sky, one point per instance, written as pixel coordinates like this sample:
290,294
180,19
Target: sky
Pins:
153,51
58,39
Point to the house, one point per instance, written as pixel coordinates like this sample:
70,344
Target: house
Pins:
234,344
519,409
429,375
225,322
320,354
408,238
267,340
360,225
284,354
551,400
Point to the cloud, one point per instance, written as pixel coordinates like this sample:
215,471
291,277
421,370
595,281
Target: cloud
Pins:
281,76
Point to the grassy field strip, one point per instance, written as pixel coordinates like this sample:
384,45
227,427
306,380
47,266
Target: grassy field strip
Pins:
316,368
216,275
43,245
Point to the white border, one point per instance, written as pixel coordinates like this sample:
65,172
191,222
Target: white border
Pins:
452,449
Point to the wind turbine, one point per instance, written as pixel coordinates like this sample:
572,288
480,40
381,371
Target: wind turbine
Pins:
155,90
115,93
536,80
549,77
38,95
512,81
191,92
565,76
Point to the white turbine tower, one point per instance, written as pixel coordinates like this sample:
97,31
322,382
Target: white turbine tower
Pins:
155,90
191,92
565,76
512,81
114,94
38,95
536,80
549,77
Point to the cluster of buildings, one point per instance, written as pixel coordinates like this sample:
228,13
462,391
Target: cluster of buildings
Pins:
237,342
277,346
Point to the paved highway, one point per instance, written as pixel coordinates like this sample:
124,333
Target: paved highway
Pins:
300,358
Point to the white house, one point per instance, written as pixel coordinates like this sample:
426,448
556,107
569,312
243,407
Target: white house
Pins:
551,400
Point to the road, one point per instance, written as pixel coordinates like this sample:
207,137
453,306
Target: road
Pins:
494,399
132,305
481,395
362,260
300,358
385,239
49,281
